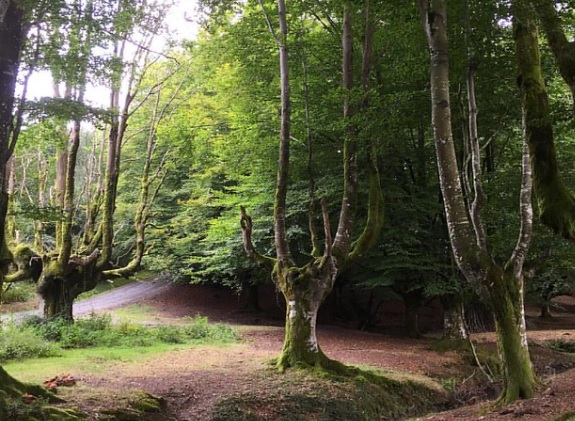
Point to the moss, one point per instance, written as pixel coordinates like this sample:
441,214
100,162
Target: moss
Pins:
566,416
362,396
144,402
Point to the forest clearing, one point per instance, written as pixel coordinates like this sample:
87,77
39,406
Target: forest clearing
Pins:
237,382
388,186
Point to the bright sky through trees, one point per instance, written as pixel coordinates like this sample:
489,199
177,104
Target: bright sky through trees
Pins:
182,21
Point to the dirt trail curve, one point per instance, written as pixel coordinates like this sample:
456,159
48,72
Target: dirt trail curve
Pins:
122,296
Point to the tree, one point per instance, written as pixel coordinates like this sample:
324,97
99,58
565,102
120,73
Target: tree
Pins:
501,287
306,287
556,203
12,35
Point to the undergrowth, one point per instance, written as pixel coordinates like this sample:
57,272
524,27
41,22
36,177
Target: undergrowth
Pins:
38,337
18,293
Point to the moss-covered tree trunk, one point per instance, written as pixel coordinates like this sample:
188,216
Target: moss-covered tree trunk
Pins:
555,202
306,287
518,374
57,298
304,290
562,47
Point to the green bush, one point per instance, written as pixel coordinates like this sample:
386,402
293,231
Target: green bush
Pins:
200,329
18,293
38,337
17,343
562,345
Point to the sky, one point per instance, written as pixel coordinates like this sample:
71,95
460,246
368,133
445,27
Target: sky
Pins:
178,19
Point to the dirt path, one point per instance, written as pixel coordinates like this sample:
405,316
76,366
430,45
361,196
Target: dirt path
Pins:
118,297
192,380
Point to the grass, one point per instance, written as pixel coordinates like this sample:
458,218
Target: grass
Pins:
77,362
299,396
20,292
135,313
38,337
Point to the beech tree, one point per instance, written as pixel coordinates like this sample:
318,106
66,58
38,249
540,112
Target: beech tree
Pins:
556,203
306,286
12,37
500,286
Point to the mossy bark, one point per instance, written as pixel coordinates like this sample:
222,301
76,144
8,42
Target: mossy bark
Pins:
304,290
555,202
454,326
519,377
10,388
60,285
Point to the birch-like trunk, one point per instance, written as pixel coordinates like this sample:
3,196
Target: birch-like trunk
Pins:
502,288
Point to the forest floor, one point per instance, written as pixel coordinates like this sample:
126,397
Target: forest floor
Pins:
192,380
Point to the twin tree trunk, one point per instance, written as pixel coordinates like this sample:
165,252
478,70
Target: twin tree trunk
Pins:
501,288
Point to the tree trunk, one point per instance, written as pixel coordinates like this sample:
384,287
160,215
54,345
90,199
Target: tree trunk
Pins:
57,299
252,294
412,302
556,204
453,318
518,374
502,289
563,49
304,290
546,311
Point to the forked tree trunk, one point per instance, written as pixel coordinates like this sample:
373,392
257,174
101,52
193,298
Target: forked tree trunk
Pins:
502,288
305,288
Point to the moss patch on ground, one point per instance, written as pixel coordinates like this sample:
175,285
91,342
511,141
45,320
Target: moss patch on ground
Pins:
299,395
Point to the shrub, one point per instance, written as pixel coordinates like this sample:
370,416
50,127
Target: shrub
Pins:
200,329
16,343
19,293
38,337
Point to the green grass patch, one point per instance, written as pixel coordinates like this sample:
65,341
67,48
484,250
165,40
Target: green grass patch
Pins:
135,313
77,362
298,395
561,345
566,416
38,337
20,292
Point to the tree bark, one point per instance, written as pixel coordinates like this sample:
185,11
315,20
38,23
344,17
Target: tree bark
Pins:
454,318
563,49
304,290
555,202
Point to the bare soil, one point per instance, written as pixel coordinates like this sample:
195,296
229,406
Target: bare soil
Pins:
192,380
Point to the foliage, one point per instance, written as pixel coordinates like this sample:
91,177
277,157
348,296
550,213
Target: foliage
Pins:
17,343
39,337
18,293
